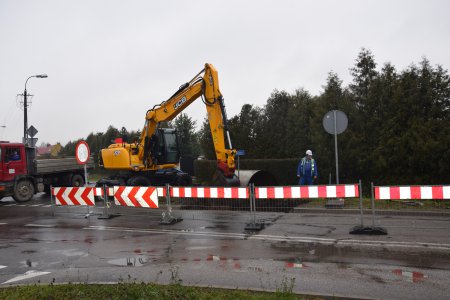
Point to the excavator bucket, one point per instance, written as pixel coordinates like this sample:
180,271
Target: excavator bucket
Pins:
219,179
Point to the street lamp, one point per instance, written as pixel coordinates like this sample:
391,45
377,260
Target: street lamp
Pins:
25,105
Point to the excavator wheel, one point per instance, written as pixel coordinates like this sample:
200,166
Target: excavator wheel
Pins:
138,181
183,180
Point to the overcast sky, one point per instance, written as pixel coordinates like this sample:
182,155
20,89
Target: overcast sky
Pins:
109,61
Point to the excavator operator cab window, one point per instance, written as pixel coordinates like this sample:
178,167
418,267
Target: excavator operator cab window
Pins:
171,147
167,151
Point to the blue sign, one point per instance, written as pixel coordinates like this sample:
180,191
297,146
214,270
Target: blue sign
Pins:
240,152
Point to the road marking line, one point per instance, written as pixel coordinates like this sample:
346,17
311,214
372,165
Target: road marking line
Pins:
165,231
13,204
39,225
27,275
3,223
2,267
322,241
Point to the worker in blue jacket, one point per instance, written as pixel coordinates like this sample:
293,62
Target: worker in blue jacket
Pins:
307,169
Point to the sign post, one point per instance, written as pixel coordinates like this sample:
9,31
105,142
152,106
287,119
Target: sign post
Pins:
82,153
335,122
239,153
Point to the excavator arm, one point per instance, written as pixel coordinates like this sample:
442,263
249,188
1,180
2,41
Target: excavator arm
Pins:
142,156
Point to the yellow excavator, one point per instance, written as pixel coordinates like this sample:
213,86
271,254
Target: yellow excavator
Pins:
153,159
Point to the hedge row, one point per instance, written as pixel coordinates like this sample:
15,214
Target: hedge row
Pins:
284,170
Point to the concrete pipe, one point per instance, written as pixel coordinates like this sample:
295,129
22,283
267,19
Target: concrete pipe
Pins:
257,177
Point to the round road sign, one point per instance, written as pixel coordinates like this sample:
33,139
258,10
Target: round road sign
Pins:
335,122
82,152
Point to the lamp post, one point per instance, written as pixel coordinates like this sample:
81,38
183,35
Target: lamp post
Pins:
25,106
3,127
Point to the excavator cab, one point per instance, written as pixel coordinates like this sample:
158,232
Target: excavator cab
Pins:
165,148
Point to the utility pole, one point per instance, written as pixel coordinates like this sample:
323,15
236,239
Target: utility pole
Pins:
25,116
25,106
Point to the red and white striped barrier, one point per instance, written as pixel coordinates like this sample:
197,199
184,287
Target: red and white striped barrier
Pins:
76,195
311,191
436,192
290,192
208,192
136,196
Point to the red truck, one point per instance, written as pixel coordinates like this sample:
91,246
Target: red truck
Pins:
22,175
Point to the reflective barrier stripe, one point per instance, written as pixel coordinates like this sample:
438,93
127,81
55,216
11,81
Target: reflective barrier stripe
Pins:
436,192
161,191
209,192
136,196
76,195
306,192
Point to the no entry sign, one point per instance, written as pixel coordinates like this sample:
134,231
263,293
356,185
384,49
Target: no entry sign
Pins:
82,152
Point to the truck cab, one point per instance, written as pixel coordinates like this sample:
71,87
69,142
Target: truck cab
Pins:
12,161
13,165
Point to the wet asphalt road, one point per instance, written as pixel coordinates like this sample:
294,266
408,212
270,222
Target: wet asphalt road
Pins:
305,253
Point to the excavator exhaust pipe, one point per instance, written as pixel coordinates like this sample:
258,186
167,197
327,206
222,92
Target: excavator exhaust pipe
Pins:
245,177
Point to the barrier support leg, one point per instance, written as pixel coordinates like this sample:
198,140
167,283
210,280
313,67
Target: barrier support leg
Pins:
167,217
371,230
88,214
106,214
253,225
51,201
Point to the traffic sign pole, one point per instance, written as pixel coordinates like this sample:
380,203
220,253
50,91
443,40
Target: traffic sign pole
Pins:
335,122
336,147
238,154
85,176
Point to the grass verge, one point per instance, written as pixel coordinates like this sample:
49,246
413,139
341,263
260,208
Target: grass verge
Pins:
135,291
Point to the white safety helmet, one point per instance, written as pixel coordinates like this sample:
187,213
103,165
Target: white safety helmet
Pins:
309,152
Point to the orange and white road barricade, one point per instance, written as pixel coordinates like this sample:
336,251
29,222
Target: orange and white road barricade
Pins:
76,195
136,196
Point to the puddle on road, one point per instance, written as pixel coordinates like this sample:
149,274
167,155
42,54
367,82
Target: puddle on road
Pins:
136,261
410,276
29,251
218,226
315,252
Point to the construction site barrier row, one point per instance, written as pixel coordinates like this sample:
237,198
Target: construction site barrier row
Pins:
150,197
286,192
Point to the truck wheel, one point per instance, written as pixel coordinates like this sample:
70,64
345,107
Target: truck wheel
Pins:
77,180
23,191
